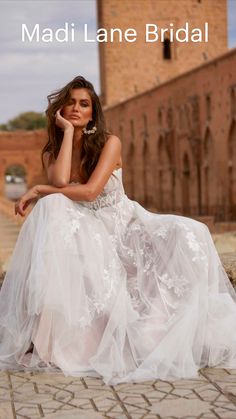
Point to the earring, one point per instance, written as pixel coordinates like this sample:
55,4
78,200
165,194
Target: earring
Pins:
89,131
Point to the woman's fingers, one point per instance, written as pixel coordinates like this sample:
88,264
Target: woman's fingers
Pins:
23,205
61,121
19,208
16,207
58,113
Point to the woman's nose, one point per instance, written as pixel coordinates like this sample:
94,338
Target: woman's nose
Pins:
76,107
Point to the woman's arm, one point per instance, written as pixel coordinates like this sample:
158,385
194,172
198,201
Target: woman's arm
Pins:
58,172
107,162
75,192
89,191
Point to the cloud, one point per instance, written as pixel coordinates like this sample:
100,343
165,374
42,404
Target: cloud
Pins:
232,23
30,71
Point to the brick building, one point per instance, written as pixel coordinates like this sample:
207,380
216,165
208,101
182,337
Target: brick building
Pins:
173,106
22,148
179,132
129,68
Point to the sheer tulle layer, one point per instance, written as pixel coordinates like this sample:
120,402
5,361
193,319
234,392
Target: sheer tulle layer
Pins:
115,291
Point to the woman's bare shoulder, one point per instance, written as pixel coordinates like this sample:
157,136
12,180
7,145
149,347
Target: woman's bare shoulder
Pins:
115,143
114,139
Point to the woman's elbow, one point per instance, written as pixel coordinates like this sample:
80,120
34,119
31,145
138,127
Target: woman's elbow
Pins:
59,183
91,194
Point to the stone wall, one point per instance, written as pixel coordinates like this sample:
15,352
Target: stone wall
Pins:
23,148
130,68
179,142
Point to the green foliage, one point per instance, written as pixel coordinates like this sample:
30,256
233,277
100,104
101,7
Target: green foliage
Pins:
25,121
15,170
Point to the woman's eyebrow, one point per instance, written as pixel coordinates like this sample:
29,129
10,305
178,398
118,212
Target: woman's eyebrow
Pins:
82,99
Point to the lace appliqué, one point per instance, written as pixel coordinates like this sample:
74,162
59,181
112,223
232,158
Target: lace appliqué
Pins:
162,231
137,250
105,200
67,232
195,245
97,302
75,219
178,283
147,258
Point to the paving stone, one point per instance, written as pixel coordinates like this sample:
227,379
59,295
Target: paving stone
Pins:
74,415
6,410
37,395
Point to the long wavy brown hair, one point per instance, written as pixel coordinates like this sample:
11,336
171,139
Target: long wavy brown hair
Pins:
92,144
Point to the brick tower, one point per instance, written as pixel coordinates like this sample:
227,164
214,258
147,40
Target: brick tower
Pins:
130,68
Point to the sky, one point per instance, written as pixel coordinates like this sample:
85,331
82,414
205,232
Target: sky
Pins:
30,71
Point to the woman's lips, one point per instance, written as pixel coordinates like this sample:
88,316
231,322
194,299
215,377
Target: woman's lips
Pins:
74,116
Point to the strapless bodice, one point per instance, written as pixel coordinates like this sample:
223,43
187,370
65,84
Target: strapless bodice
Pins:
112,192
116,174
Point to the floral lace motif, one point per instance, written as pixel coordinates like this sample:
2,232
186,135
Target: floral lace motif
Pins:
162,231
178,283
105,200
97,302
142,253
147,258
198,247
76,215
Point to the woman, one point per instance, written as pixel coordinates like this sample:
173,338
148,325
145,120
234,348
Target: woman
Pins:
99,286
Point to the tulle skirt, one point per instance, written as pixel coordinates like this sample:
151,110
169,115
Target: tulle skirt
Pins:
117,292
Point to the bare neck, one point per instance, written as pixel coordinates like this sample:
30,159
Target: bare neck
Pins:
77,136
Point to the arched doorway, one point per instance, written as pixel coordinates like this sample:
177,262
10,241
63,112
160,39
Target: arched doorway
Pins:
186,185
131,162
146,174
232,173
15,181
165,177
208,173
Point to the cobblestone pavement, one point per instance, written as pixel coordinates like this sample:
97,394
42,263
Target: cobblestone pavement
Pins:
40,395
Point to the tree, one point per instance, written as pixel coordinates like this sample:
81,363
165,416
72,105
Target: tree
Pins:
25,121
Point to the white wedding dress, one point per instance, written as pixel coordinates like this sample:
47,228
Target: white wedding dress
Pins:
107,288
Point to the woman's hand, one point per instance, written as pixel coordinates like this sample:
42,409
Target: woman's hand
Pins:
25,200
62,122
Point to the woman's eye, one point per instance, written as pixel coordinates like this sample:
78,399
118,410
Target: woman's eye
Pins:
71,102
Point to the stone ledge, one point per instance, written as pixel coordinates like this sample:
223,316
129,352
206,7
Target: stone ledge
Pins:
229,262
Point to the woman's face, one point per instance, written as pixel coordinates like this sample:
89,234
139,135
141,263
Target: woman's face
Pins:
79,108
